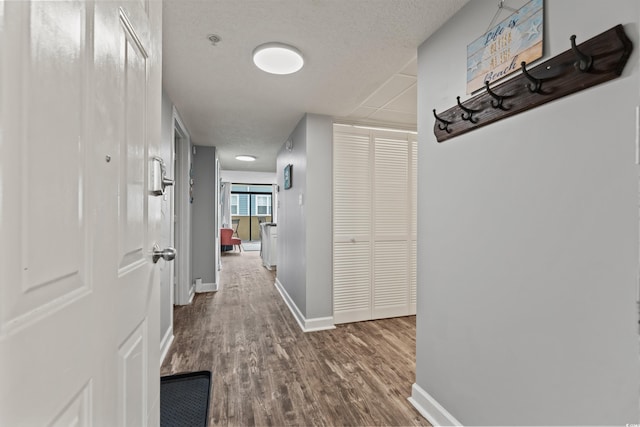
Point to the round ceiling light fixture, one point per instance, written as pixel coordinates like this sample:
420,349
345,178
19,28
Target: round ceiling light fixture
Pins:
246,158
278,58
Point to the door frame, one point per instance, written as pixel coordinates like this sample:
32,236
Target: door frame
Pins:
184,288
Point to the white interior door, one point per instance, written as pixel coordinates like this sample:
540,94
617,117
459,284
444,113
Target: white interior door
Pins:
79,294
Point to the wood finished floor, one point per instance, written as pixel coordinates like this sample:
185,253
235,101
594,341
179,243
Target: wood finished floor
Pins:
267,372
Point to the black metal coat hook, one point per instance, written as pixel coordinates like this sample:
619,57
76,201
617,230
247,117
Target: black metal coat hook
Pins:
444,124
584,62
536,84
498,99
469,113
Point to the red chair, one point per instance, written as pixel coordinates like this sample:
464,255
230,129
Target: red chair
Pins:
226,239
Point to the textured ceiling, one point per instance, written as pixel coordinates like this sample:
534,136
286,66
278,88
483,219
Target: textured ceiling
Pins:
359,65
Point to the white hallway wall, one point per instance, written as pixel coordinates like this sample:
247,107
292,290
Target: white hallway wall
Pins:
528,240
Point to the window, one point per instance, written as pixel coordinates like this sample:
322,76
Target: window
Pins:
263,205
234,204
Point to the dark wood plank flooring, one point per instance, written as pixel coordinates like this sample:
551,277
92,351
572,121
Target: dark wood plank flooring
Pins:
267,372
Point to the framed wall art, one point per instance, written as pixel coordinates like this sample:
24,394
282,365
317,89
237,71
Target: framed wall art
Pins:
288,170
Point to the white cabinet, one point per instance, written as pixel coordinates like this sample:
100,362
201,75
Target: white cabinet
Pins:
268,241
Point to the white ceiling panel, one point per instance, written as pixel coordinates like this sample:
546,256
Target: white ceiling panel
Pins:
390,117
391,89
362,112
407,102
411,69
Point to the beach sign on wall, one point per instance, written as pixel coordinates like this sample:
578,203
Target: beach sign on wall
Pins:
499,51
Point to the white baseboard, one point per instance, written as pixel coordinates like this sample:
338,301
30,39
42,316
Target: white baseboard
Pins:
206,287
318,324
307,325
430,408
165,343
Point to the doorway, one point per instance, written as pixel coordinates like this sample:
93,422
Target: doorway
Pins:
251,205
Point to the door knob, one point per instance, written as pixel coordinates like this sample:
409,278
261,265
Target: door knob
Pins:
167,254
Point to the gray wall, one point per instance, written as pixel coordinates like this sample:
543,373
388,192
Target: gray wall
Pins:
528,239
203,238
292,236
304,230
318,216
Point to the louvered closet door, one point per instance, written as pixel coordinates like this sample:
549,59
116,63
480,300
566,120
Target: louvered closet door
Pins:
392,226
351,226
413,219
374,224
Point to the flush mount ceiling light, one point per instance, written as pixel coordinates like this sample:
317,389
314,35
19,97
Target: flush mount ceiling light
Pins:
246,158
278,58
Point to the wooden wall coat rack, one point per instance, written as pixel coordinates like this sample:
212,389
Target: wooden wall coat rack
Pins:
597,60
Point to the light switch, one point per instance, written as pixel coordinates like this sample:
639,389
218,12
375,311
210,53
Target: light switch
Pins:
300,199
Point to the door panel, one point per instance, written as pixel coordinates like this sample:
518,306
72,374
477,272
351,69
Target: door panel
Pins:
413,278
390,283
391,198
79,296
131,197
45,270
391,227
134,267
51,271
132,368
351,187
352,225
413,220
351,282
77,412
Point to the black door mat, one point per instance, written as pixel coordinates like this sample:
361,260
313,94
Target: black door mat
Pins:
184,399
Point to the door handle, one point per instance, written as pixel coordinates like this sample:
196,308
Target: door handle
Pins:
167,254
159,180
166,182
